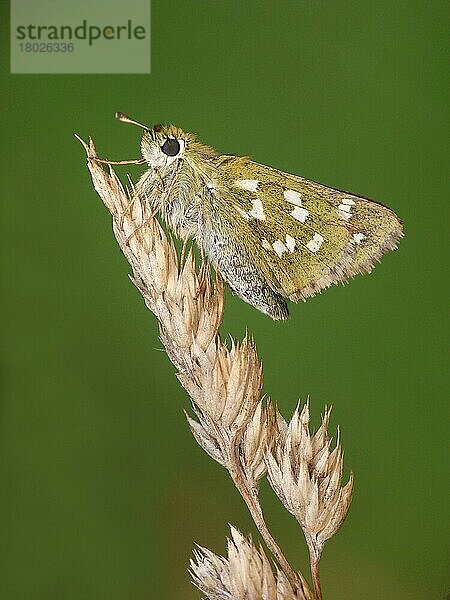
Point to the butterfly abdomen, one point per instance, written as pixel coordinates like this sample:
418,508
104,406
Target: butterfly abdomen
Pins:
242,275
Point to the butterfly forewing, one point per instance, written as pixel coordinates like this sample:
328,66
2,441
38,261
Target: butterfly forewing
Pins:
300,235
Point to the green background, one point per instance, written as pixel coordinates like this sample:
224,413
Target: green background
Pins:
104,491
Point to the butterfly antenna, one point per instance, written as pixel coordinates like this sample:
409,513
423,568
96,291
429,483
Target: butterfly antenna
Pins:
123,117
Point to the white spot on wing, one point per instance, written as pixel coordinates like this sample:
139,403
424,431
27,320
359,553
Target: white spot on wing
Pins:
293,197
315,243
242,213
359,237
345,211
290,243
250,185
279,247
265,244
345,208
299,213
257,211
211,187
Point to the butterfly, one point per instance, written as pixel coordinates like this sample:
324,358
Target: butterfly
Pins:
272,236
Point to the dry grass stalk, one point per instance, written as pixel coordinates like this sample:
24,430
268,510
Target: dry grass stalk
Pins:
235,426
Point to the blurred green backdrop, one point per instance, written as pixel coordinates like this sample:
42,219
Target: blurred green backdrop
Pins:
104,490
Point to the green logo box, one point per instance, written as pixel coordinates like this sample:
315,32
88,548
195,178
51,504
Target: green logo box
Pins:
80,37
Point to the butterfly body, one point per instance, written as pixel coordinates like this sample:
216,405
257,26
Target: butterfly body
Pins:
272,236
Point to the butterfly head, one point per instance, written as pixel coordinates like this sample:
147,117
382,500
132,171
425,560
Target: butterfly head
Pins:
163,147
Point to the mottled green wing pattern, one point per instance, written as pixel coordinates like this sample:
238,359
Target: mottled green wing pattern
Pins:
300,235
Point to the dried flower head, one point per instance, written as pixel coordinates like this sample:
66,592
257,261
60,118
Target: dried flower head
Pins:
306,475
258,439
252,445
187,304
226,384
245,575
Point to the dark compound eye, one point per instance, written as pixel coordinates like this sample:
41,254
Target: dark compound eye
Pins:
171,147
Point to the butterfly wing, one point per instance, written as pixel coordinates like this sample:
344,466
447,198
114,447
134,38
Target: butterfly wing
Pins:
299,236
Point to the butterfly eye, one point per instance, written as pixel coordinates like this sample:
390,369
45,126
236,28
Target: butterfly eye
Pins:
171,147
